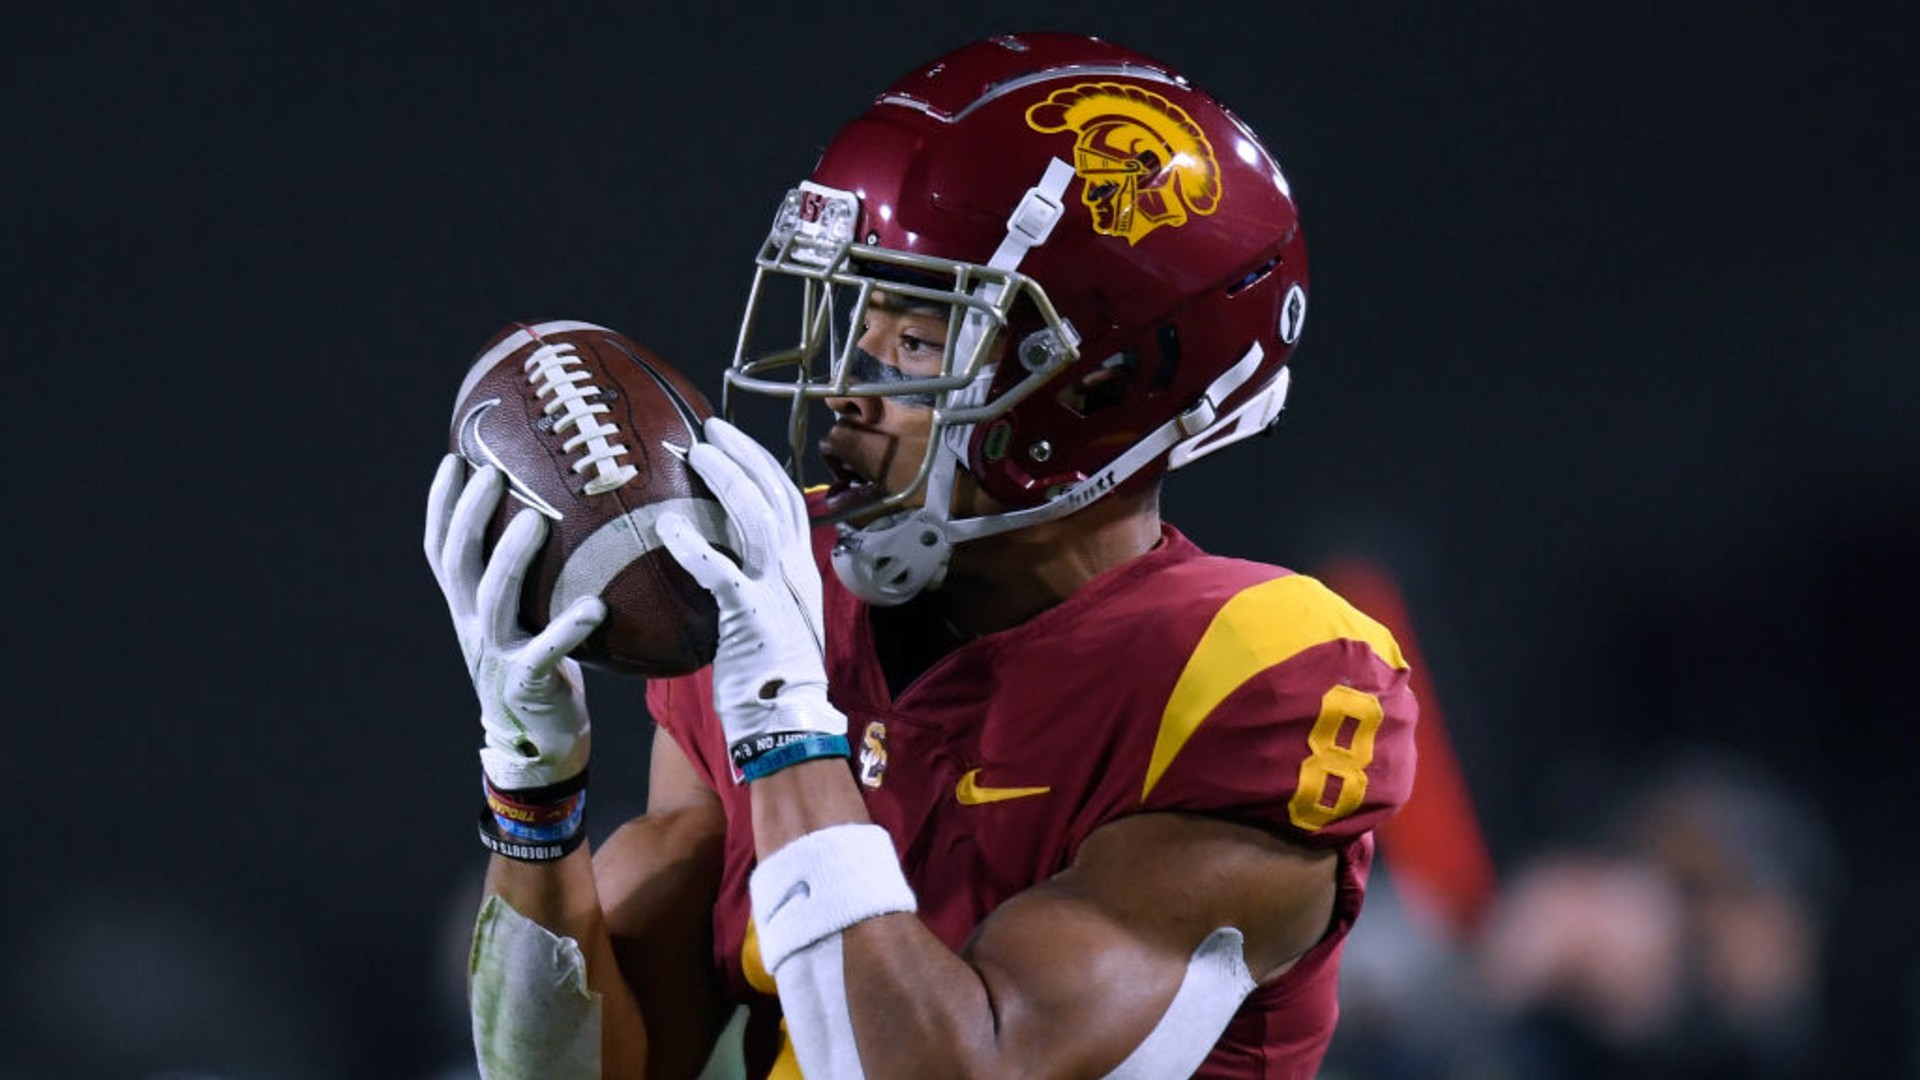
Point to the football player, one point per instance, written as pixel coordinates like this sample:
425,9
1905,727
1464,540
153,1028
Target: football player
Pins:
994,773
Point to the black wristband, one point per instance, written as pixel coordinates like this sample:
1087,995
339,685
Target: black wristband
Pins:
743,752
523,850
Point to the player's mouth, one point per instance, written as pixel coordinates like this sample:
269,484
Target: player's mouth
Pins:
851,488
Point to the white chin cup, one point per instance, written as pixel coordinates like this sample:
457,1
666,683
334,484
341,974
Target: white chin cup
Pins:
894,559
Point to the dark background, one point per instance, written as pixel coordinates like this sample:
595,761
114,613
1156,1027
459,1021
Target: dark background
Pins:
1611,363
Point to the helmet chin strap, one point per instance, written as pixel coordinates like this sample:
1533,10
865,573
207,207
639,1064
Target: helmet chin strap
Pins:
1201,426
894,559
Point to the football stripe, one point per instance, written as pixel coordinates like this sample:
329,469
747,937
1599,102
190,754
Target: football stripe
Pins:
1260,627
615,545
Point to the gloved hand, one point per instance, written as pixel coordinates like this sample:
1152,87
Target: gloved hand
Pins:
533,705
769,672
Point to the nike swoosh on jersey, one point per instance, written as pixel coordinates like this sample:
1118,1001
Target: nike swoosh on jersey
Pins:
970,793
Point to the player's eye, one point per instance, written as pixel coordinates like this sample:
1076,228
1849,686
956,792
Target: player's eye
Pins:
918,356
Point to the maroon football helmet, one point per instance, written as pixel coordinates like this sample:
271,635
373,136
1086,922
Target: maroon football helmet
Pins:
1122,259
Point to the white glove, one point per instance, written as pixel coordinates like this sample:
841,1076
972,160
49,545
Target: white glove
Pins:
769,674
533,703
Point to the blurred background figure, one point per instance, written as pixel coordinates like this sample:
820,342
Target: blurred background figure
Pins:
1682,937
1685,943
1672,925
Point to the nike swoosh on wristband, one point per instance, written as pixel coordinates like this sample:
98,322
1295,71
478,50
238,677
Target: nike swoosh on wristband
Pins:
972,794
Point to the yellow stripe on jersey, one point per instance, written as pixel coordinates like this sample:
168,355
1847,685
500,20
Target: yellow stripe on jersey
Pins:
750,963
1264,625
785,1065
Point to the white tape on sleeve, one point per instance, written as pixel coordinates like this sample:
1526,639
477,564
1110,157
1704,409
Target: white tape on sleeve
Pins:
1216,982
533,1016
813,1000
822,883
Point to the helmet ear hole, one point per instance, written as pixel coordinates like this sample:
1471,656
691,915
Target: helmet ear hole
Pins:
1102,388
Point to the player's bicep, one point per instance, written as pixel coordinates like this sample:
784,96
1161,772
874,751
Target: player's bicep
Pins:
1151,939
1068,984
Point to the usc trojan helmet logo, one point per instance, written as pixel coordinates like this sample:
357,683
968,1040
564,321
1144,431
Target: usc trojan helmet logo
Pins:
1143,160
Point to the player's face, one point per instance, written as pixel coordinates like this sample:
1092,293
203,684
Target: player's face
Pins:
877,444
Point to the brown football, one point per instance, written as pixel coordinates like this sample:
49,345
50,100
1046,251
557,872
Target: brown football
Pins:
590,430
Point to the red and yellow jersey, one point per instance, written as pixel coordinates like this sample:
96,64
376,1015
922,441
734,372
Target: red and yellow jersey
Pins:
1177,681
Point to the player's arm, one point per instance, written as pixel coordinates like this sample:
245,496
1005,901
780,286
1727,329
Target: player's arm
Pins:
640,913
544,985
659,878
553,941
1139,953
1134,960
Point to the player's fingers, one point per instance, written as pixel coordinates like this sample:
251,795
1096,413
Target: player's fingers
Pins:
768,475
696,556
498,599
749,518
461,558
440,499
563,635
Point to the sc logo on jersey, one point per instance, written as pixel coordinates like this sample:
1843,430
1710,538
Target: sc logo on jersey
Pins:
1144,163
873,754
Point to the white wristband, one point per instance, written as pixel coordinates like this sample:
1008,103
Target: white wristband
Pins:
822,883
